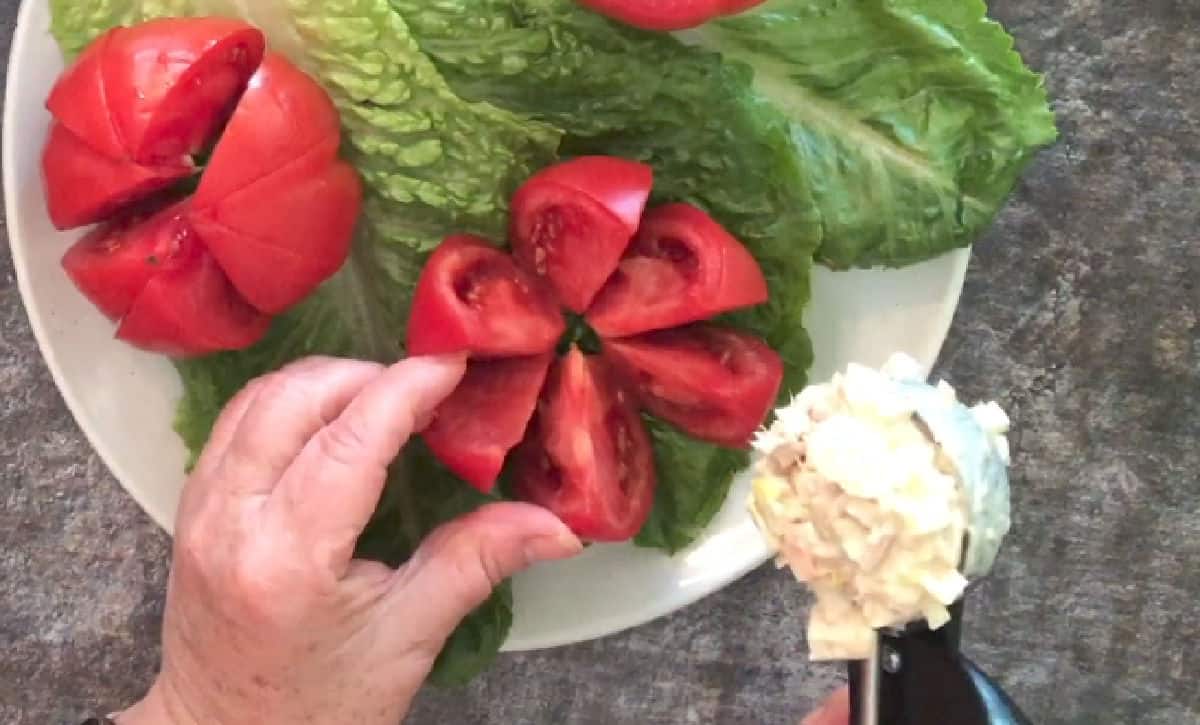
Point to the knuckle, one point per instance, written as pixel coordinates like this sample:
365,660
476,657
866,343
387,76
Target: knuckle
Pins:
343,442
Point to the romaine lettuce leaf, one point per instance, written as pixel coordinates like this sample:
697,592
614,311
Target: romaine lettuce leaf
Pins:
912,118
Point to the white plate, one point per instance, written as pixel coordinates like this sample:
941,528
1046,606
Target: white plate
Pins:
124,400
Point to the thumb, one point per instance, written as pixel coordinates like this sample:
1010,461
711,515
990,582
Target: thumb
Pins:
460,564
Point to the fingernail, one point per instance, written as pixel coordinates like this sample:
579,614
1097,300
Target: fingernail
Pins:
552,548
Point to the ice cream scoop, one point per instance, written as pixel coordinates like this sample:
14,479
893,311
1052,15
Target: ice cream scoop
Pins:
887,496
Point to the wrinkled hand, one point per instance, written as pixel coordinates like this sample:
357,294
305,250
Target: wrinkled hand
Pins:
269,620
834,712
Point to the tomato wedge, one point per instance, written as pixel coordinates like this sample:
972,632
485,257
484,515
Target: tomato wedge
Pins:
588,457
114,263
682,268
171,83
668,14
281,145
472,297
83,186
572,222
192,310
486,417
714,383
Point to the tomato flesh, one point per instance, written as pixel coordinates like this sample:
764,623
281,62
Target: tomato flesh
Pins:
192,310
113,264
667,15
587,457
682,268
486,417
572,222
714,383
473,298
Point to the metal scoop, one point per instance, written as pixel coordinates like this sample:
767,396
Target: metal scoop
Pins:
919,676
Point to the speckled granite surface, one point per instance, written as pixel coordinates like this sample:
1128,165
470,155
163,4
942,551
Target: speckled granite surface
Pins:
1080,313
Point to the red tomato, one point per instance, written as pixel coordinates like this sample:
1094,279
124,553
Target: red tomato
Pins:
283,116
572,222
683,268
79,101
588,457
171,83
84,186
113,264
668,14
281,145
714,383
192,310
473,298
275,211
486,417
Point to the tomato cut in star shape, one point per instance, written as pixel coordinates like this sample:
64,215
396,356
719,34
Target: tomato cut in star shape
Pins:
714,383
587,457
275,209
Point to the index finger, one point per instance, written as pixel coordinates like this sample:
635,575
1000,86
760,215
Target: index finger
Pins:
332,488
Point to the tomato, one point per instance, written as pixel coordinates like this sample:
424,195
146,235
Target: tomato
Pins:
486,417
668,14
115,262
588,457
714,383
472,297
682,268
572,222
192,310
275,210
84,186
171,83
282,117
281,145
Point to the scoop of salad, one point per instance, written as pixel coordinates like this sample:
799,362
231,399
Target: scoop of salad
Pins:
883,494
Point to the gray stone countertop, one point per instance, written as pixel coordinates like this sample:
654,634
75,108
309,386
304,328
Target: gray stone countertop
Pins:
1080,314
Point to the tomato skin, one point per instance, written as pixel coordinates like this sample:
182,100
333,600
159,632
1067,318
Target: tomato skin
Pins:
472,297
84,186
572,222
714,383
682,268
79,101
112,265
277,254
668,15
191,311
486,417
170,83
587,457
282,117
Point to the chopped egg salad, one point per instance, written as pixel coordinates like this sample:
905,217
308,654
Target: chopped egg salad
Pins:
882,494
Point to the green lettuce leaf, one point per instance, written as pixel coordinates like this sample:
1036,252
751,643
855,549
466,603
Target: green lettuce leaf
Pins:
912,118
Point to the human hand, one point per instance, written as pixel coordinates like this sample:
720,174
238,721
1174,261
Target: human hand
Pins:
269,620
834,712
